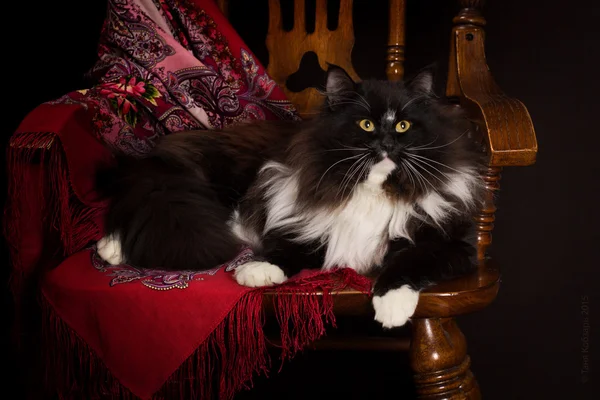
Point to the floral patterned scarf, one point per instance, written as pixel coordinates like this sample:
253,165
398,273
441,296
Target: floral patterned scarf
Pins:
164,66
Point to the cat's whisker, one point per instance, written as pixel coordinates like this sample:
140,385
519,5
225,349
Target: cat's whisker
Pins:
333,165
412,101
351,147
408,173
364,167
360,167
367,166
350,173
336,93
439,147
431,166
424,145
419,174
348,149
417,156
361,100
354,102
342,186
364,100
420,164
406,170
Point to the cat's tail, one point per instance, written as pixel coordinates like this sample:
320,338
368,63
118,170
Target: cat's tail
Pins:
163,216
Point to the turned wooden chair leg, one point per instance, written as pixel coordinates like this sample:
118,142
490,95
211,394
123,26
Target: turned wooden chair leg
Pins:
439,360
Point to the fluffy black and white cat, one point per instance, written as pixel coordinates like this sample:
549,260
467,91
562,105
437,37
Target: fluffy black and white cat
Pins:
384,180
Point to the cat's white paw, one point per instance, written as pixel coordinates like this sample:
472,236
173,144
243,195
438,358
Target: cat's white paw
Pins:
109,249
259,273
396,306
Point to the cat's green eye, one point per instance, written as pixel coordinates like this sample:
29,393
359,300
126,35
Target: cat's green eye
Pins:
367,125
402,126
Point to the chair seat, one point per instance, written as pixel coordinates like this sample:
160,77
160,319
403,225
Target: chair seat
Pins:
455,297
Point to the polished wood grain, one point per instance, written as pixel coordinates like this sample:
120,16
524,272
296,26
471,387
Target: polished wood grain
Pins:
438,357
452,298
396,40
437,349
507,127
484,219
286,49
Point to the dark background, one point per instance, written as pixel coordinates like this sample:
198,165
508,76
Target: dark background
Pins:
527,344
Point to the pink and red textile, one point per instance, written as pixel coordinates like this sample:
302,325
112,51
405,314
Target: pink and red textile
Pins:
163,66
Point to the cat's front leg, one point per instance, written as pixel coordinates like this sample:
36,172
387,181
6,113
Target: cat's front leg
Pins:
278,259
408,269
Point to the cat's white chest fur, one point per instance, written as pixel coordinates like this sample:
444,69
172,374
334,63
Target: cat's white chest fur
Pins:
356,235
359,232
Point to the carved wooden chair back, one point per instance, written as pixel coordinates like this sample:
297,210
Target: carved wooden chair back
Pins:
437,348
333,46
505,127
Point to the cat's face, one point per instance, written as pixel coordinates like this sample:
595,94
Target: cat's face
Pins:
399,133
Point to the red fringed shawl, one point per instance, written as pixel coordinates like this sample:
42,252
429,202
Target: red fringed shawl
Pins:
164,66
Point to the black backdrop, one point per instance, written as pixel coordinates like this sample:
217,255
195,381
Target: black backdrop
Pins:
528,343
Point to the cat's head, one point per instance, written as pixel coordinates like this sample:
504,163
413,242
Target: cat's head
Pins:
399,135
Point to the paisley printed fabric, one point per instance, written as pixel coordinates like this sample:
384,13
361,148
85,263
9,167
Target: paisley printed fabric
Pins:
165,66
161,279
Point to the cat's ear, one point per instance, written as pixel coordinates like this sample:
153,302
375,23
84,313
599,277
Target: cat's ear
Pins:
423,81
338,83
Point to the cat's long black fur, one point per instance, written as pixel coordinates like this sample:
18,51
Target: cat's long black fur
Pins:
282,188
171,207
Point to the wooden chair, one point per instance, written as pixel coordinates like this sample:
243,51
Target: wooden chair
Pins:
437,347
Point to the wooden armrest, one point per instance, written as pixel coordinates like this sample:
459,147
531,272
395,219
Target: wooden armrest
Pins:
511,137
448,299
